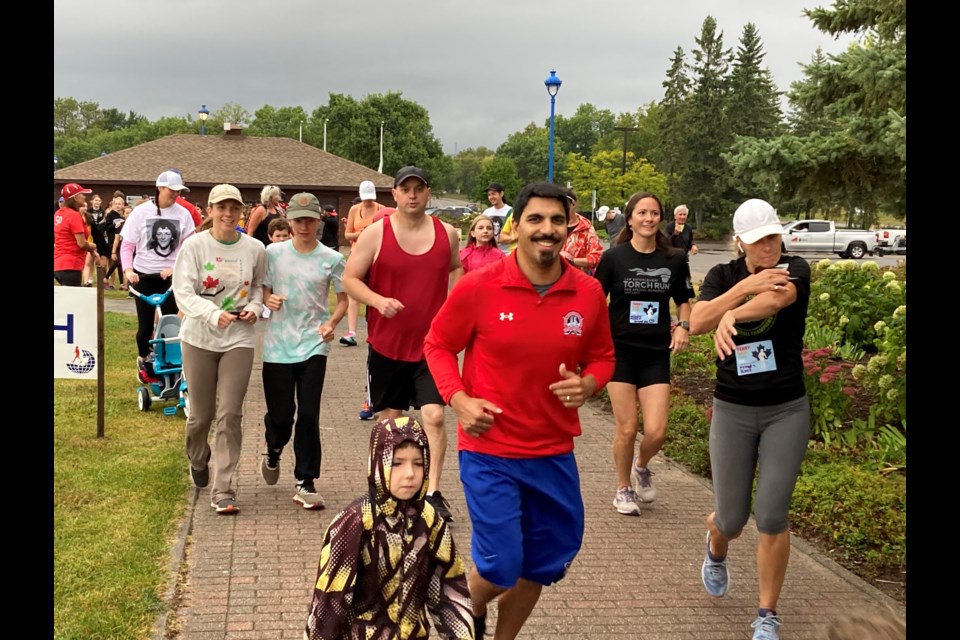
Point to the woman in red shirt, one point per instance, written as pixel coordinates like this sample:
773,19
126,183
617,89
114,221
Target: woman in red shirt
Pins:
70,244
481,249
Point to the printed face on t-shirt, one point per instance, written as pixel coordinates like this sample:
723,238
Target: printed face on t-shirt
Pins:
164,234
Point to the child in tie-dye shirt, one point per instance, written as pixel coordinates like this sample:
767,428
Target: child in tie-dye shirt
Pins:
296,289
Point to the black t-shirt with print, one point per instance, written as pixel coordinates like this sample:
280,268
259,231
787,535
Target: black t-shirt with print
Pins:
640,286
750,379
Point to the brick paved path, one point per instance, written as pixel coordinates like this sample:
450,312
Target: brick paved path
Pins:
251,576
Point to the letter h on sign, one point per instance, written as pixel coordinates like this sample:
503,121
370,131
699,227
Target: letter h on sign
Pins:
68,328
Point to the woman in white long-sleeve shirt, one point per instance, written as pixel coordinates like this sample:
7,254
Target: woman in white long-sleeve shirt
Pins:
218,282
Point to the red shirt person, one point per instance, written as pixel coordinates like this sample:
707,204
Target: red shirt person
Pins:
70,245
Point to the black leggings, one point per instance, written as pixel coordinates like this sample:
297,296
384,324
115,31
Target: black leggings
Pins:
150,283
68,278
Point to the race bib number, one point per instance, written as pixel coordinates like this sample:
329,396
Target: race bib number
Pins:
755,357
644,312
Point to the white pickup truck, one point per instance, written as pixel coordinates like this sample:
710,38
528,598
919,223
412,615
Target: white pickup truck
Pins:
822,236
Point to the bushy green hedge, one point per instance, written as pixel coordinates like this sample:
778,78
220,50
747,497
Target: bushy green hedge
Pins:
860,513
688,436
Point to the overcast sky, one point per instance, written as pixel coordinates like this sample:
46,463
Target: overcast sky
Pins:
477,67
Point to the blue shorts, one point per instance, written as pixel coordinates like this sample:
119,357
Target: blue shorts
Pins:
527,516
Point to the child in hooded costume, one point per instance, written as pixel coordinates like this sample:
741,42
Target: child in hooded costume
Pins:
387,558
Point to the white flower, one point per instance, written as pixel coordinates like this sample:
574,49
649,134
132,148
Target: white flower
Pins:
880,326
889,275
824,296
823,264
893,284
900,311
892,394
869,266
844,320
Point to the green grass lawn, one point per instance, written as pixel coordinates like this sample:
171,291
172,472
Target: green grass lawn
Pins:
118,500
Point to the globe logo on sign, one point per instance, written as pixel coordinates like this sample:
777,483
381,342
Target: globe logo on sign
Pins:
83,361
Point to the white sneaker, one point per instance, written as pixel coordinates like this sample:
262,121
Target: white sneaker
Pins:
307,496
642,485
626,502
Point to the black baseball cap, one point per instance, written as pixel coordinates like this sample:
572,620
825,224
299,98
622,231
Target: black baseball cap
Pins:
411,171
495,186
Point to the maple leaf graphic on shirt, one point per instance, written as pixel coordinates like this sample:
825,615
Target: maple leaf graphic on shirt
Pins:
211,283
208,267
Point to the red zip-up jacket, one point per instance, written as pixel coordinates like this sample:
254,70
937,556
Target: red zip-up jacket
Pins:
515,341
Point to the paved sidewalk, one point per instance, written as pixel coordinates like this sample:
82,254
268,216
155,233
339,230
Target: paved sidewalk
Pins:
250,576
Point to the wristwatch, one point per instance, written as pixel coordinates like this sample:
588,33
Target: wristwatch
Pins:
684,324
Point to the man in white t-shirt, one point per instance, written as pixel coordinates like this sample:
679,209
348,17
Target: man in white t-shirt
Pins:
498,209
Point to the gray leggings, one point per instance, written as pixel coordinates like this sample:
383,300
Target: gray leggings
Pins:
740,437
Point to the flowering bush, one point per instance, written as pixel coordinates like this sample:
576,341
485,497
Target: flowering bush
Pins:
886,373
853,298
826,379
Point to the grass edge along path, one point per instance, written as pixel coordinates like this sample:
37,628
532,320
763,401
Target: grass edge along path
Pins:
118,501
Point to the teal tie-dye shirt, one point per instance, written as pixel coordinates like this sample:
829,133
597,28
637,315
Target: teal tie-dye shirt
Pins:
305,279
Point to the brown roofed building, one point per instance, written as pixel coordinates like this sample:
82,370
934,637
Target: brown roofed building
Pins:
247,162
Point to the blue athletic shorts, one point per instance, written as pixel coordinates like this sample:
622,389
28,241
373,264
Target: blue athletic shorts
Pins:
527,516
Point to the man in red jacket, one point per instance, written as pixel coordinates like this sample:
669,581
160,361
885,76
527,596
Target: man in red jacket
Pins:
537,337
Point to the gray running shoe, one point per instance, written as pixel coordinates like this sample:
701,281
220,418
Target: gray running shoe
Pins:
626,502
226,507
766,628
307,496
270,466
716,578
640,478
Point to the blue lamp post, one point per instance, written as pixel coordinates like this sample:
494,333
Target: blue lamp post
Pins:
56,161
204,113
553,86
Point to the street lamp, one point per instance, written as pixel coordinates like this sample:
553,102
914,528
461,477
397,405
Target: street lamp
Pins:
204,113
553,86
56,160
301,131
325,133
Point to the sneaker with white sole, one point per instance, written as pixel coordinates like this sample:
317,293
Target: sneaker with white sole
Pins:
766,628
308,497
714,574
226,506
349,339
626,502
366,413
642,485
270,466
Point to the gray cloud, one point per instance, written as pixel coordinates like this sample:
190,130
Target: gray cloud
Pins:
477,67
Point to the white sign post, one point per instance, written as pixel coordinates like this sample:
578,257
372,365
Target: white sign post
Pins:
78,337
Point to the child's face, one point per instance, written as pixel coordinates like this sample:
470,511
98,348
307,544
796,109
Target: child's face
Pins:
483,232
406,473
280,235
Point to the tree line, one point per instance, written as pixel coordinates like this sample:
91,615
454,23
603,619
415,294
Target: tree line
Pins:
717,137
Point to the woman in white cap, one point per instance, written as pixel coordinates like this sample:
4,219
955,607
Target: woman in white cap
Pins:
70,244
218,281
264,213
360,216
757,307
151,238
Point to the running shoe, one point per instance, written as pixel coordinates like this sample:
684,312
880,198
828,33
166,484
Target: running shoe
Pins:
307,496
626,502
270,466
766,628
714,574
349,339
642,485
366,413
226,507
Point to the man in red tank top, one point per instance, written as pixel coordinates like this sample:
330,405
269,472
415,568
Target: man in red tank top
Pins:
401,267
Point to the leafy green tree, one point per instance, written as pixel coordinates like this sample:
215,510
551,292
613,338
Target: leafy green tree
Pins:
581,131
232,113
603,173
498,169
353,132
467,166
71,116
529,150
278,123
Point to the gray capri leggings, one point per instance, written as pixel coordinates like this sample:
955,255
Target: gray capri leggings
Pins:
740,437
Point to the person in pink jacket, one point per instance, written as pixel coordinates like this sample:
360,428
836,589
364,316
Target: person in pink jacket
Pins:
481,247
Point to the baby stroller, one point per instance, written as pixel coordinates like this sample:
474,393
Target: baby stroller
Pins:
164,362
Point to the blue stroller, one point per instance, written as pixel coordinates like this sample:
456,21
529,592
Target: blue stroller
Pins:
168,382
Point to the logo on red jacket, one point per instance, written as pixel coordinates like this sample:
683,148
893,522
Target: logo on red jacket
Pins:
572,324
